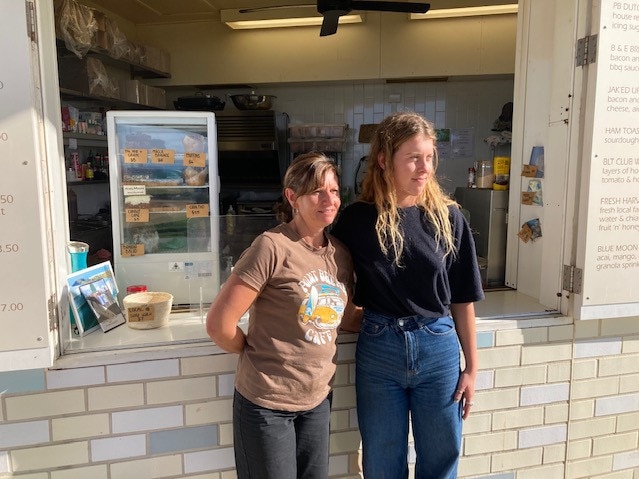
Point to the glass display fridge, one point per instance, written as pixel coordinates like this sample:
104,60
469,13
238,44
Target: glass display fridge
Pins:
164,189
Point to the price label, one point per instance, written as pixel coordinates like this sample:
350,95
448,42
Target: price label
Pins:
135,155
127,250
137,314
11,307
137,215
9,248
134,190
162,156
197,210
195,159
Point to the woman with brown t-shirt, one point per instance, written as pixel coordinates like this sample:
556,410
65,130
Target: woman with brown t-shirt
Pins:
295,280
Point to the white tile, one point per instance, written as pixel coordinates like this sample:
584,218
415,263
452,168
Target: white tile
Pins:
147,419
597,347
617,405
625,460
145,370
544,394
226,384
67,378
4,462
118,447
542,436
485,380
24,433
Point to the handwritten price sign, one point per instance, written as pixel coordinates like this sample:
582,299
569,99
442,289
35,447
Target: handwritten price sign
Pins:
138,314
137,215
197,211
195,159
127,250
162,156
135,155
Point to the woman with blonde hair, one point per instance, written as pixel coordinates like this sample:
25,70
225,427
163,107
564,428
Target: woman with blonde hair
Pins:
417,279
295,280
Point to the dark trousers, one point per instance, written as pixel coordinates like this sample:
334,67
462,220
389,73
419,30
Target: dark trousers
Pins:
272,444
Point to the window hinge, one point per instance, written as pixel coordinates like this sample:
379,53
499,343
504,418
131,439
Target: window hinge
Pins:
31,22
572,279
586,50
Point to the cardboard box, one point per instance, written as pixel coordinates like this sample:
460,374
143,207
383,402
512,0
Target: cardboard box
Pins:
87,77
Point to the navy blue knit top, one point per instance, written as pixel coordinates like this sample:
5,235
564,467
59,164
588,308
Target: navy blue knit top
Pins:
426,283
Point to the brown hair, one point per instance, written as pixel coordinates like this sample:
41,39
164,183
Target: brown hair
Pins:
305,174
379,188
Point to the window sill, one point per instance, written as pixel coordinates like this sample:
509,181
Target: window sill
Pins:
185,335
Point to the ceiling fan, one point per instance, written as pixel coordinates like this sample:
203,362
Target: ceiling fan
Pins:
331,10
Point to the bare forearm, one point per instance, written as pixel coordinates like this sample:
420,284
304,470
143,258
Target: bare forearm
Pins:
231,340
464,317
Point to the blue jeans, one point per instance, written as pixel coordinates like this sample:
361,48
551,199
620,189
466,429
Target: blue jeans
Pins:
272,444
408,365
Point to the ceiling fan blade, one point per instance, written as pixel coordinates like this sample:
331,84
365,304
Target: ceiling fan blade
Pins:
330,22
401,7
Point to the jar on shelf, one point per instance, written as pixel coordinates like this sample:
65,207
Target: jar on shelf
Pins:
484,176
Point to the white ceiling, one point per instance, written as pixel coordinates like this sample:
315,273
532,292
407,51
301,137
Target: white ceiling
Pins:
172,11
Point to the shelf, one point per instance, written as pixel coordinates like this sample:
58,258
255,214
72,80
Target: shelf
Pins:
137,70
67,94
86,182
85,139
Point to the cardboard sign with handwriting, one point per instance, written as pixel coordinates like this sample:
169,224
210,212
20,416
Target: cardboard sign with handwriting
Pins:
162,156
195,159
137,215
127,250
138,314
135,155
197,210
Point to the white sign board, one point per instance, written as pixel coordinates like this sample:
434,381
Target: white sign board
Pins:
23,298
612,245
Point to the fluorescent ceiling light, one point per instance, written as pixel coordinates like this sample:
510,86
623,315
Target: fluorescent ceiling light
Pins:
466,12
278,18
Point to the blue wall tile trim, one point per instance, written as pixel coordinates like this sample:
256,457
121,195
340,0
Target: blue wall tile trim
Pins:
486,339
29,380
183,439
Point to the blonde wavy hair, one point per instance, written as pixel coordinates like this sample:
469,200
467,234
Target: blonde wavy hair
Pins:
379,186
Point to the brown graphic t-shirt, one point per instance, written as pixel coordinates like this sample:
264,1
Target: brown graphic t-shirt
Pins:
288,361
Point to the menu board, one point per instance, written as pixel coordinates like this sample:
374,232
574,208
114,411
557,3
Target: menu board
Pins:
23,298
612,242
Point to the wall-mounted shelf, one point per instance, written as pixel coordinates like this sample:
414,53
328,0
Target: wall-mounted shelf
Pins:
67,94
137,70
85,139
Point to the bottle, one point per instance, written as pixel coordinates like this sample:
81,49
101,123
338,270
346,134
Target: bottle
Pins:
230,220
471,177
77,166
89,172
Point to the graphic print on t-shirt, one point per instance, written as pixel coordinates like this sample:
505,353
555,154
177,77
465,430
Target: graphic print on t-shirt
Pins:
323,306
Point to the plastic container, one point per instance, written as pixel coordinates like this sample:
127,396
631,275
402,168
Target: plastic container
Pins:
148,309
501,168
484,176
318,130
136,288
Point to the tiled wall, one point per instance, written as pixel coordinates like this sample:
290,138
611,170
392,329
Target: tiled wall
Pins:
456,104
558,401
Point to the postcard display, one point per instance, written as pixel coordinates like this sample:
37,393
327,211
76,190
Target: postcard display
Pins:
165,202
